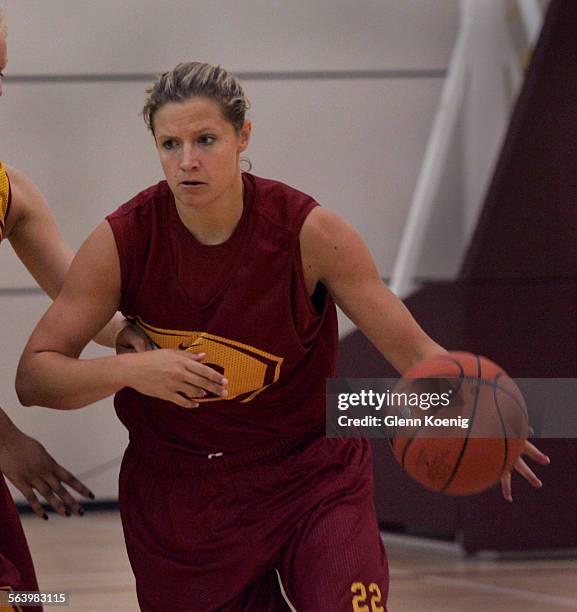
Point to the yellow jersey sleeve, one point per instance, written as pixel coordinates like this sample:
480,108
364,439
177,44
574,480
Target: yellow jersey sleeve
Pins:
4,198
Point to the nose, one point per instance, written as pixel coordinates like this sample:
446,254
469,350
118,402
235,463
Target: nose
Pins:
189,160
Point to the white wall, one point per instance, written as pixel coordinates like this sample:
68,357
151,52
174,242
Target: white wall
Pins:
356,145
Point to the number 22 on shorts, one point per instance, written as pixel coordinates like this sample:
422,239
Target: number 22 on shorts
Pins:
360,598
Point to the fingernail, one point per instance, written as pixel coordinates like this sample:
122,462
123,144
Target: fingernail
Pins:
224,393
224,381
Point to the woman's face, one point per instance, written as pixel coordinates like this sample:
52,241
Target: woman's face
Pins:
199,150
3,56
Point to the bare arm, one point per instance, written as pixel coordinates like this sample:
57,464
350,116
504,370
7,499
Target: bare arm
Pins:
35,238
34,235
29,467
50,373
334,254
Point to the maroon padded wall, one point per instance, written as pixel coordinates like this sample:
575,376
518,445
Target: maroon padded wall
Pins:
515,301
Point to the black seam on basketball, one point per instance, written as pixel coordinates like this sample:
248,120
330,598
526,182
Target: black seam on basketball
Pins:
482,381
469,429
415,433
409,444
503,426
509,394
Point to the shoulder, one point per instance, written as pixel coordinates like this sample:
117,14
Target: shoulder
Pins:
273,188
135,223
26,200
143,203
324,227
331,246
280,203
20,185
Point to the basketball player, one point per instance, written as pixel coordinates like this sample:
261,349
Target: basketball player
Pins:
27,222
228,475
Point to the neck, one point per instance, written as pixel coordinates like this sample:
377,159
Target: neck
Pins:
214,222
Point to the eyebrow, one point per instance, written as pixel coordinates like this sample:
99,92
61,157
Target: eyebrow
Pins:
206,128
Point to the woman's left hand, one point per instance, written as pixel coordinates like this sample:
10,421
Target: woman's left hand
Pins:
521,466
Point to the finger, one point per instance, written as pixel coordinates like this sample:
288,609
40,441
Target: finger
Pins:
506,486
534,453
121,349
204,371
64,475
206,378
139,345
192,391
48,494
193,380
132,339
69,501
34,503
181,400
528,474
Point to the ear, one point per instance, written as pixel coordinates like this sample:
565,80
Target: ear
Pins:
244,136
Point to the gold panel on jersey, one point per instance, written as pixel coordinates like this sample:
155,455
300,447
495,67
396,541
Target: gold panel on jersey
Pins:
249,370
4,198
4,607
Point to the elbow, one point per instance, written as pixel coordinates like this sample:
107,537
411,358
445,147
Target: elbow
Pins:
25,397
24,387
26,384
32,390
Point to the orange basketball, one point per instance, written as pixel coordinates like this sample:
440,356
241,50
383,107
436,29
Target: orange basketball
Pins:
461,443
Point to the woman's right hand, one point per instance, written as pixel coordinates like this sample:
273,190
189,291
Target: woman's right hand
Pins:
175,376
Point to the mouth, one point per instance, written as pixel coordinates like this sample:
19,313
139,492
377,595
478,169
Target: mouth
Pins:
191,183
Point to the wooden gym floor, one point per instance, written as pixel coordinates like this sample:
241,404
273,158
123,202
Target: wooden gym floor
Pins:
86,557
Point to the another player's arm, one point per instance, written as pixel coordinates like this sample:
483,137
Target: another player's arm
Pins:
34,235
35,238
334,254
29,467
50,372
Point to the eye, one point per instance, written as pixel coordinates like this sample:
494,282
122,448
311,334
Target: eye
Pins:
206,139
168,144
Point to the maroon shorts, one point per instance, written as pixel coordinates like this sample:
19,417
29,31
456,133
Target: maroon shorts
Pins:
224,533
16,569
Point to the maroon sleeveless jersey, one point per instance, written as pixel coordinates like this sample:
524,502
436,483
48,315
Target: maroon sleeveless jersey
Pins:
243,303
